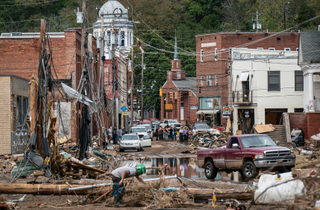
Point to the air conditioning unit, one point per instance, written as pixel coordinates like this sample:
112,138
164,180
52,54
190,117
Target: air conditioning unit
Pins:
16,34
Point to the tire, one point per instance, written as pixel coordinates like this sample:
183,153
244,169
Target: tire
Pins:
139,149
249,170
293,145
121,150
210,170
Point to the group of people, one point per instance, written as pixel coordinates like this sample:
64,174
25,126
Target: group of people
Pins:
114,134
171,133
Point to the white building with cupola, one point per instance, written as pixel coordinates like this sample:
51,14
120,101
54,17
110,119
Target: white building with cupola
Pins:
115,16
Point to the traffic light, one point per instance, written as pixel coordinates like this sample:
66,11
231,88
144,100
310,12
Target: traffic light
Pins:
190,92
199,89
181,94
160,92
176,95
171,95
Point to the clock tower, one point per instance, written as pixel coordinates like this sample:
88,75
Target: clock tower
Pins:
114,13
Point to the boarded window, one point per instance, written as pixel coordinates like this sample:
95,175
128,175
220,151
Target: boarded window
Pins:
298,77
274,81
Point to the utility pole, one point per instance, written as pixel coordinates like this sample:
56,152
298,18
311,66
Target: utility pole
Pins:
132,84
257,21
142,110
83,31
101,75
284,15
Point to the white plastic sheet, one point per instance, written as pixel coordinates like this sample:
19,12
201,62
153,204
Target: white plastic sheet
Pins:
282,194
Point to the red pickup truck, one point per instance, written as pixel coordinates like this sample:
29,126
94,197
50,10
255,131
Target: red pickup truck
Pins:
247,154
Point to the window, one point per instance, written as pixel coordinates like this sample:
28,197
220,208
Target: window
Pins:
259,48
278,38
216,79
215,54
272,48
209,80
233,141
286,49
274,81
116,38
298,80
122,36
298,109
201,55
178,75
249,38
201,81
297,49
109,38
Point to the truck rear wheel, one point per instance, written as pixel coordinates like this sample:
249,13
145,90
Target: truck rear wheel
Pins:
210,170
249,170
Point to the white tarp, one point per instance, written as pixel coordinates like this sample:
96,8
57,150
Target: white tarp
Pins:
207,111
280,190
73,94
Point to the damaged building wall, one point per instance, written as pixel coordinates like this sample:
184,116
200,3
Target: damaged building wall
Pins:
6,117
307,122
64,128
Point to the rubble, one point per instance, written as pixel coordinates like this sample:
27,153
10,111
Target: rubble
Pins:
209,139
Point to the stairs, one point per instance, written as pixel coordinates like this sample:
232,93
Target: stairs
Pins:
278,135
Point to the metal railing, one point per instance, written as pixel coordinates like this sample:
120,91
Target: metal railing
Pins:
242,97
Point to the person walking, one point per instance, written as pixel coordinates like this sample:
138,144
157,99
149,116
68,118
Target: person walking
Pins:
156,133
194,133
119,175
181,134
161,133
120,134
175,133
114,136
166,133
185,133
170,133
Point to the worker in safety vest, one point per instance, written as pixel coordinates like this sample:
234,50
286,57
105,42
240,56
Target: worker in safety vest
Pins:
118,175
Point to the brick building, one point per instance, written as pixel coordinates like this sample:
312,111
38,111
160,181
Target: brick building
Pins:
179,97
20,57
213,63
309,61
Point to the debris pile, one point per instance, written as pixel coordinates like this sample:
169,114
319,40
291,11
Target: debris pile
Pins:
208,139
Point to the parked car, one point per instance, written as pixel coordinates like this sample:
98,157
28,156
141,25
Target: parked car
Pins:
149,129
134,142
141,131
171,123
201,126
297,138
247,154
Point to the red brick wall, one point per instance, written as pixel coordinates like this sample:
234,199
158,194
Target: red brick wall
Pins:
308,122
225,41
313,124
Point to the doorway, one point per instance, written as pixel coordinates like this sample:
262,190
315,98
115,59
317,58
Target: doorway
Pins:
274,116
246,120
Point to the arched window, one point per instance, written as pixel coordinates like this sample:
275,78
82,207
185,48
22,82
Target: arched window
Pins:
122,38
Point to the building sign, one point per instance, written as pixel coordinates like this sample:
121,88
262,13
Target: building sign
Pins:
206,103
226,111
168,107
125,113
193,107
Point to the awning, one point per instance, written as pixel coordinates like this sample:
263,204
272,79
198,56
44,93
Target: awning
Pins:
207,111
244,76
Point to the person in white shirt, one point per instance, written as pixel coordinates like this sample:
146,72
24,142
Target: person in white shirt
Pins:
194,132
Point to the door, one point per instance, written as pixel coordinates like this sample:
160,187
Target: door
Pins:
182,111
146,141
233,155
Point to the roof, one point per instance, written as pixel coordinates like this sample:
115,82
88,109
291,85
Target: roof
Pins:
243,32
309,45
184,85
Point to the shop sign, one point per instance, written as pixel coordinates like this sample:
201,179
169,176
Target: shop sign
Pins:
193,107
226,111
168,107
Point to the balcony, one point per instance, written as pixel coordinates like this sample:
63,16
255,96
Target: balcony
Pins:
242,97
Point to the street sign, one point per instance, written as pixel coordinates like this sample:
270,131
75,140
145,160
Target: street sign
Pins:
125,113
123,108
168,107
